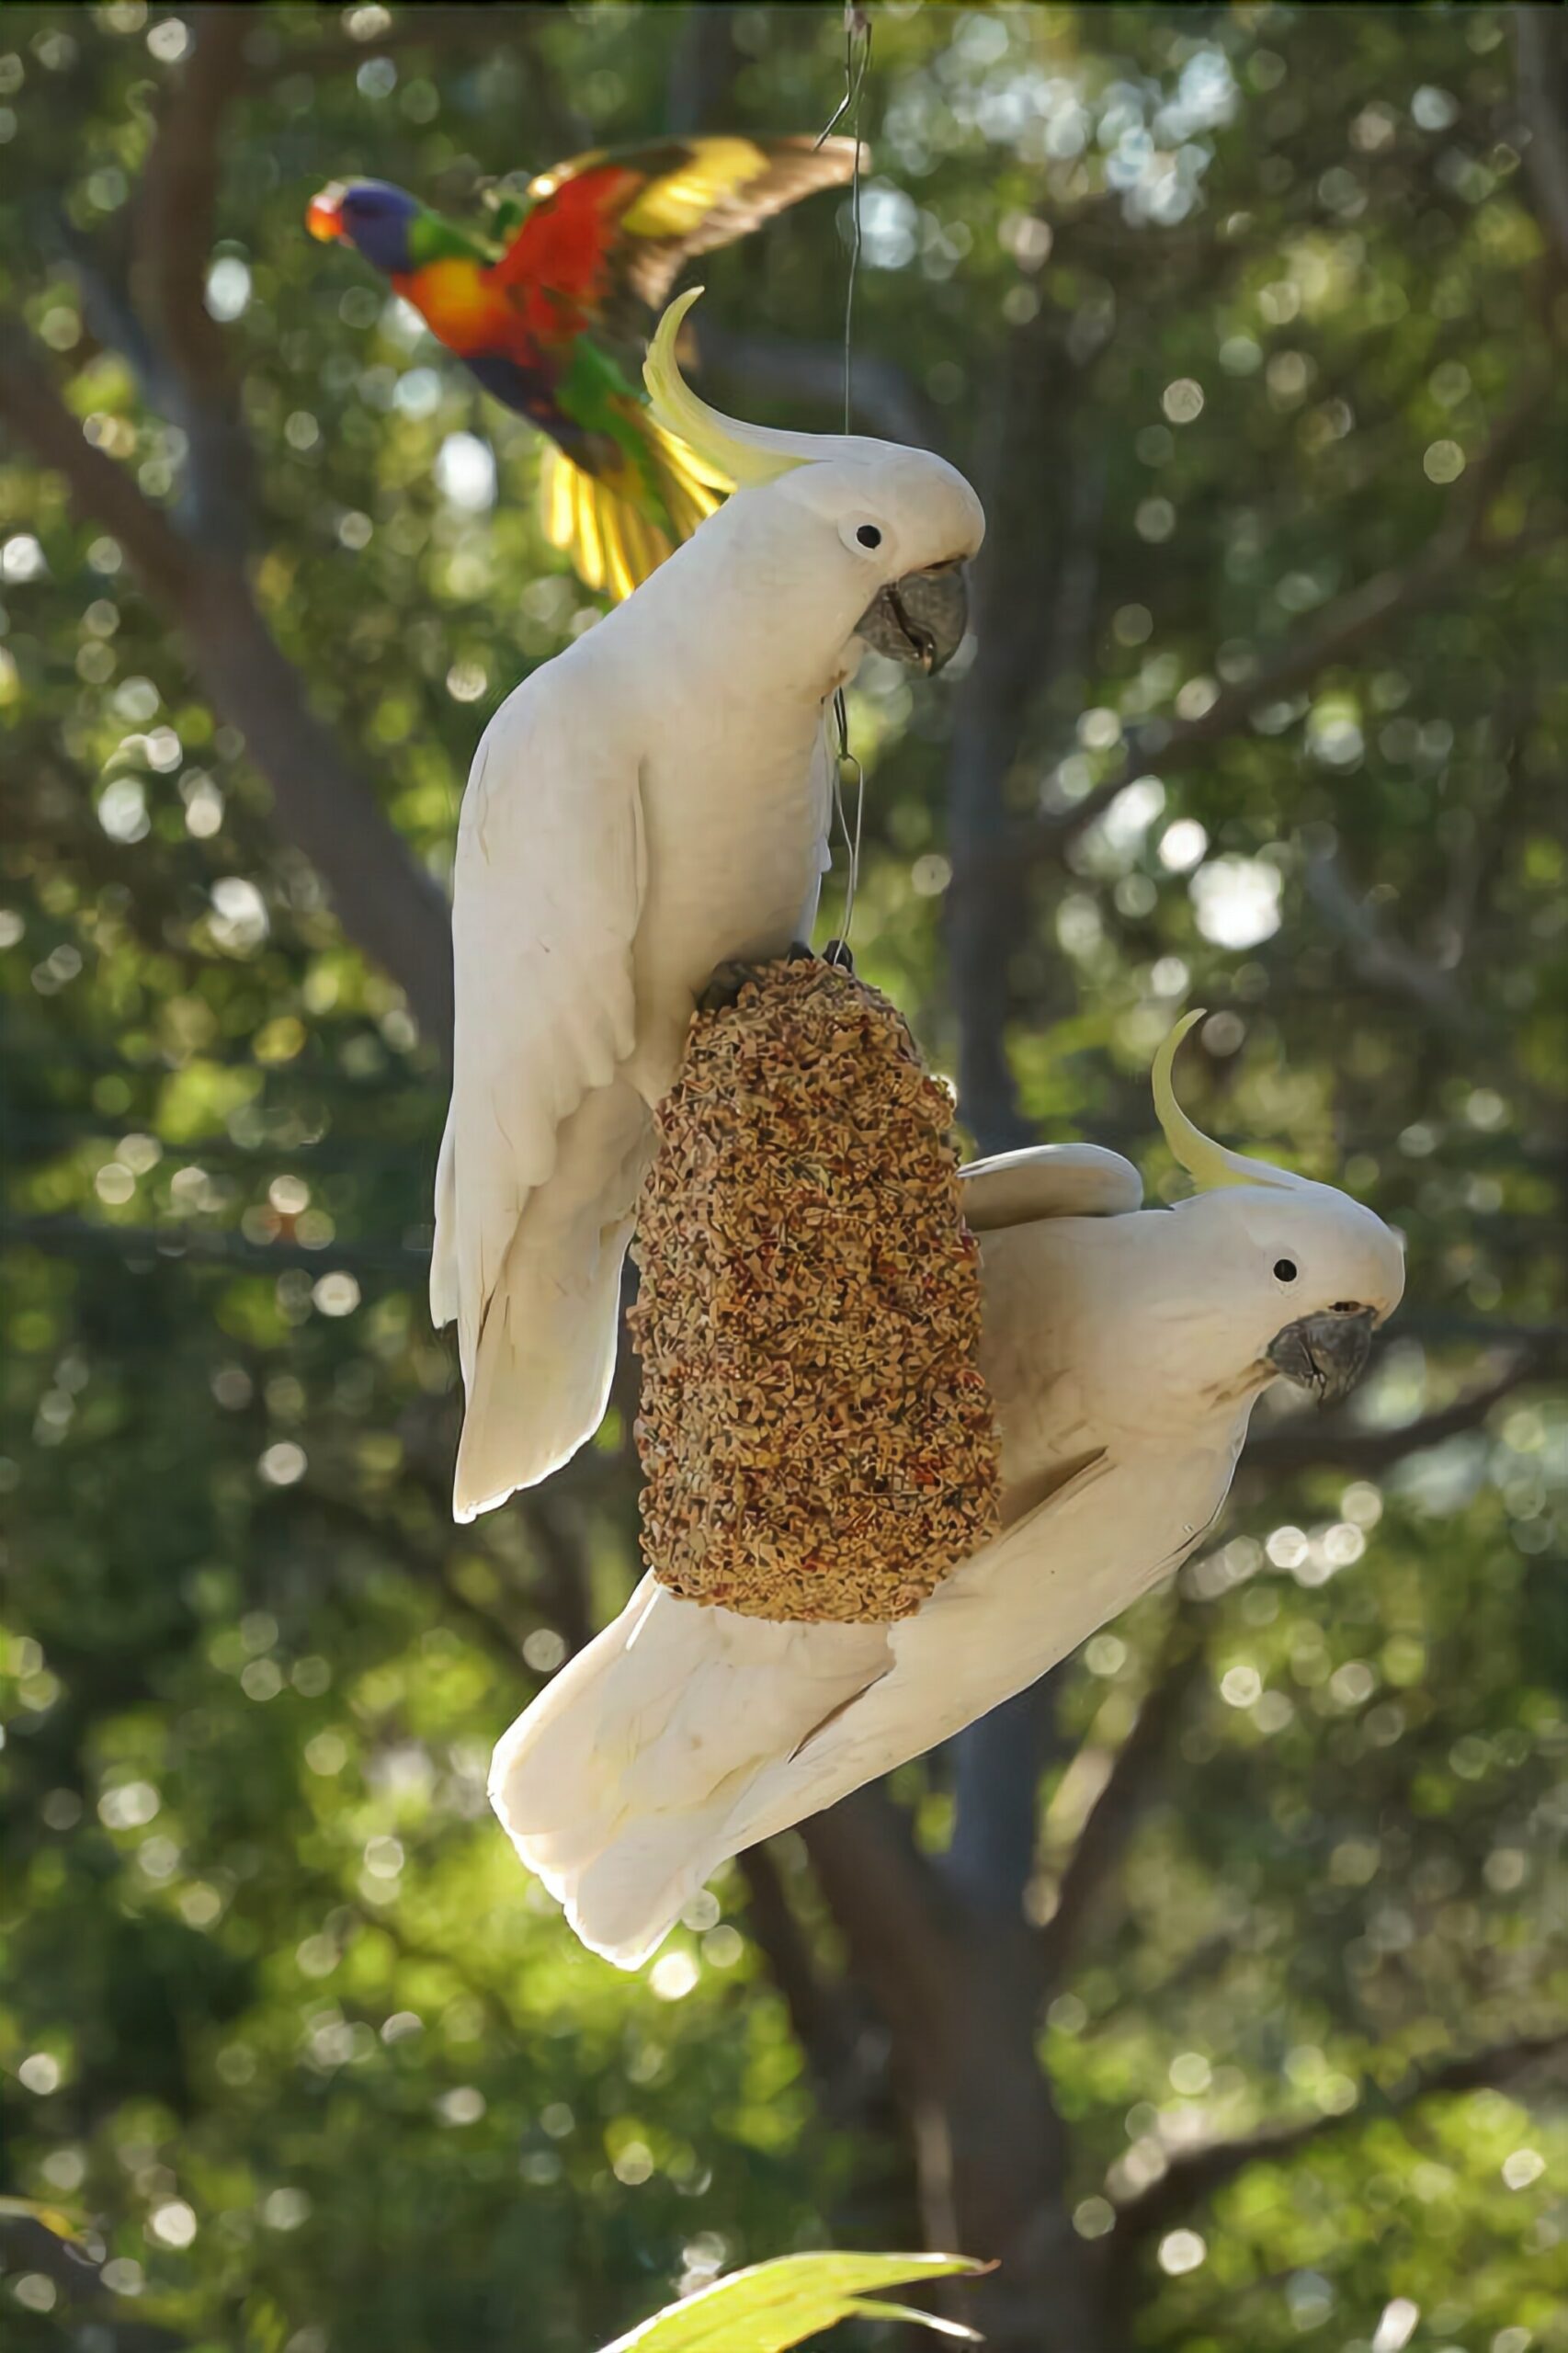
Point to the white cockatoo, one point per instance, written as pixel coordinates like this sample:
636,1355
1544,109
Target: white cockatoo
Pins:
652,804
1124,1349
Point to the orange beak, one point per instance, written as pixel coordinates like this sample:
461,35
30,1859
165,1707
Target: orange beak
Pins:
324,216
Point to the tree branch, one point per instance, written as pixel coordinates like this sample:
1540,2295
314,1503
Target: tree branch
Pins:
700,83
395,912
885,397
69,1236
1030,584
28,2243
332,1509
176,201
389,905
1541,57
1384,962
819,2011
1306,1441
31,406
1485,1331
565,1564
1034,597
890,1903
107,310
997,1767
959,2000
1346,627
1302,1443
453,26
1364,612
1198,2174
1132,1782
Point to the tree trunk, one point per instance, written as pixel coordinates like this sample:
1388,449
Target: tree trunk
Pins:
994,2154
958,1987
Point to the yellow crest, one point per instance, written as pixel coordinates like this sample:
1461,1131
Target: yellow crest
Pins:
1209,1163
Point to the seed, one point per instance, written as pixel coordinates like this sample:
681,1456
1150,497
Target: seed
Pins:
816,1439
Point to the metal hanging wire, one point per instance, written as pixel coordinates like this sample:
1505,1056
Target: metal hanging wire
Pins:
845,763
846,767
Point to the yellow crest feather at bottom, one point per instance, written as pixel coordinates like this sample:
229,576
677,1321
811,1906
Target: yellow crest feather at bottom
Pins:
1209,1163
743,452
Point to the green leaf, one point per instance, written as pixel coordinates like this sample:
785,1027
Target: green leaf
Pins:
774,2306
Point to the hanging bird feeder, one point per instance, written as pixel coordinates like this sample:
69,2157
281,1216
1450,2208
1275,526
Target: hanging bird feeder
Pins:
816,1439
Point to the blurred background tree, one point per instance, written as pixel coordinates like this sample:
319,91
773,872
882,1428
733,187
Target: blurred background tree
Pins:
1219,1986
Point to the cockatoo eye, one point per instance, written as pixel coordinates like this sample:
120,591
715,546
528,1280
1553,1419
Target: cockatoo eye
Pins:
869,535
1285,1270
862,536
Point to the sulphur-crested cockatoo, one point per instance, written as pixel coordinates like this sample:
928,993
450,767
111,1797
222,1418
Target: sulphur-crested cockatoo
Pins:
1124,1349
652,803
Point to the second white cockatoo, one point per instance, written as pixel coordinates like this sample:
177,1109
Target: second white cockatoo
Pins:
652,804
1124,1349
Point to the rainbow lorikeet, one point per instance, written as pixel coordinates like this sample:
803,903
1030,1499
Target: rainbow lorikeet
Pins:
592,248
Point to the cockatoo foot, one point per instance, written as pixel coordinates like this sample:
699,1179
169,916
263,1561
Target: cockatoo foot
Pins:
729,979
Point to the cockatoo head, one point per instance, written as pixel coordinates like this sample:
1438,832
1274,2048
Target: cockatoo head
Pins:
867,540
1299,1275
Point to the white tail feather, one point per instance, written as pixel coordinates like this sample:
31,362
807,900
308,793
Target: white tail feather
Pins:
625,1904
618,1787
542,1376
445,1288
544,1352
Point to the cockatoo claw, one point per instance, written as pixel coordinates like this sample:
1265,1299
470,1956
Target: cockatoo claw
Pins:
730,978
724,988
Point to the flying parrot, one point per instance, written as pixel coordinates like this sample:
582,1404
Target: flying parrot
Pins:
652,803
589,256
1124,1348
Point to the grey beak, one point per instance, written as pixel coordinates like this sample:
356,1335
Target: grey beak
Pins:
1326,1354
919,620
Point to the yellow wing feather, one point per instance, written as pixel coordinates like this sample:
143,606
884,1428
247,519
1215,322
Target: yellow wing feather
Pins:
665,203
675,204
613,546
683,197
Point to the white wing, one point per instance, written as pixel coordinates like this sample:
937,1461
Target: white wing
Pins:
548,892
1047,1180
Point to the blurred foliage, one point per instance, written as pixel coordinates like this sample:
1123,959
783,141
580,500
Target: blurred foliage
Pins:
281,2022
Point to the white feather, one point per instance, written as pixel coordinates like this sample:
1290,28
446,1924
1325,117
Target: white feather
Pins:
1047,1180
1124,1354
614,1781
651,804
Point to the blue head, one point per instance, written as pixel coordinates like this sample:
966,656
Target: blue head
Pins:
374,217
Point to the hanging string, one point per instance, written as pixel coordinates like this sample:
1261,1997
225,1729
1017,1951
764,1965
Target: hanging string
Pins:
857,64
845,762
